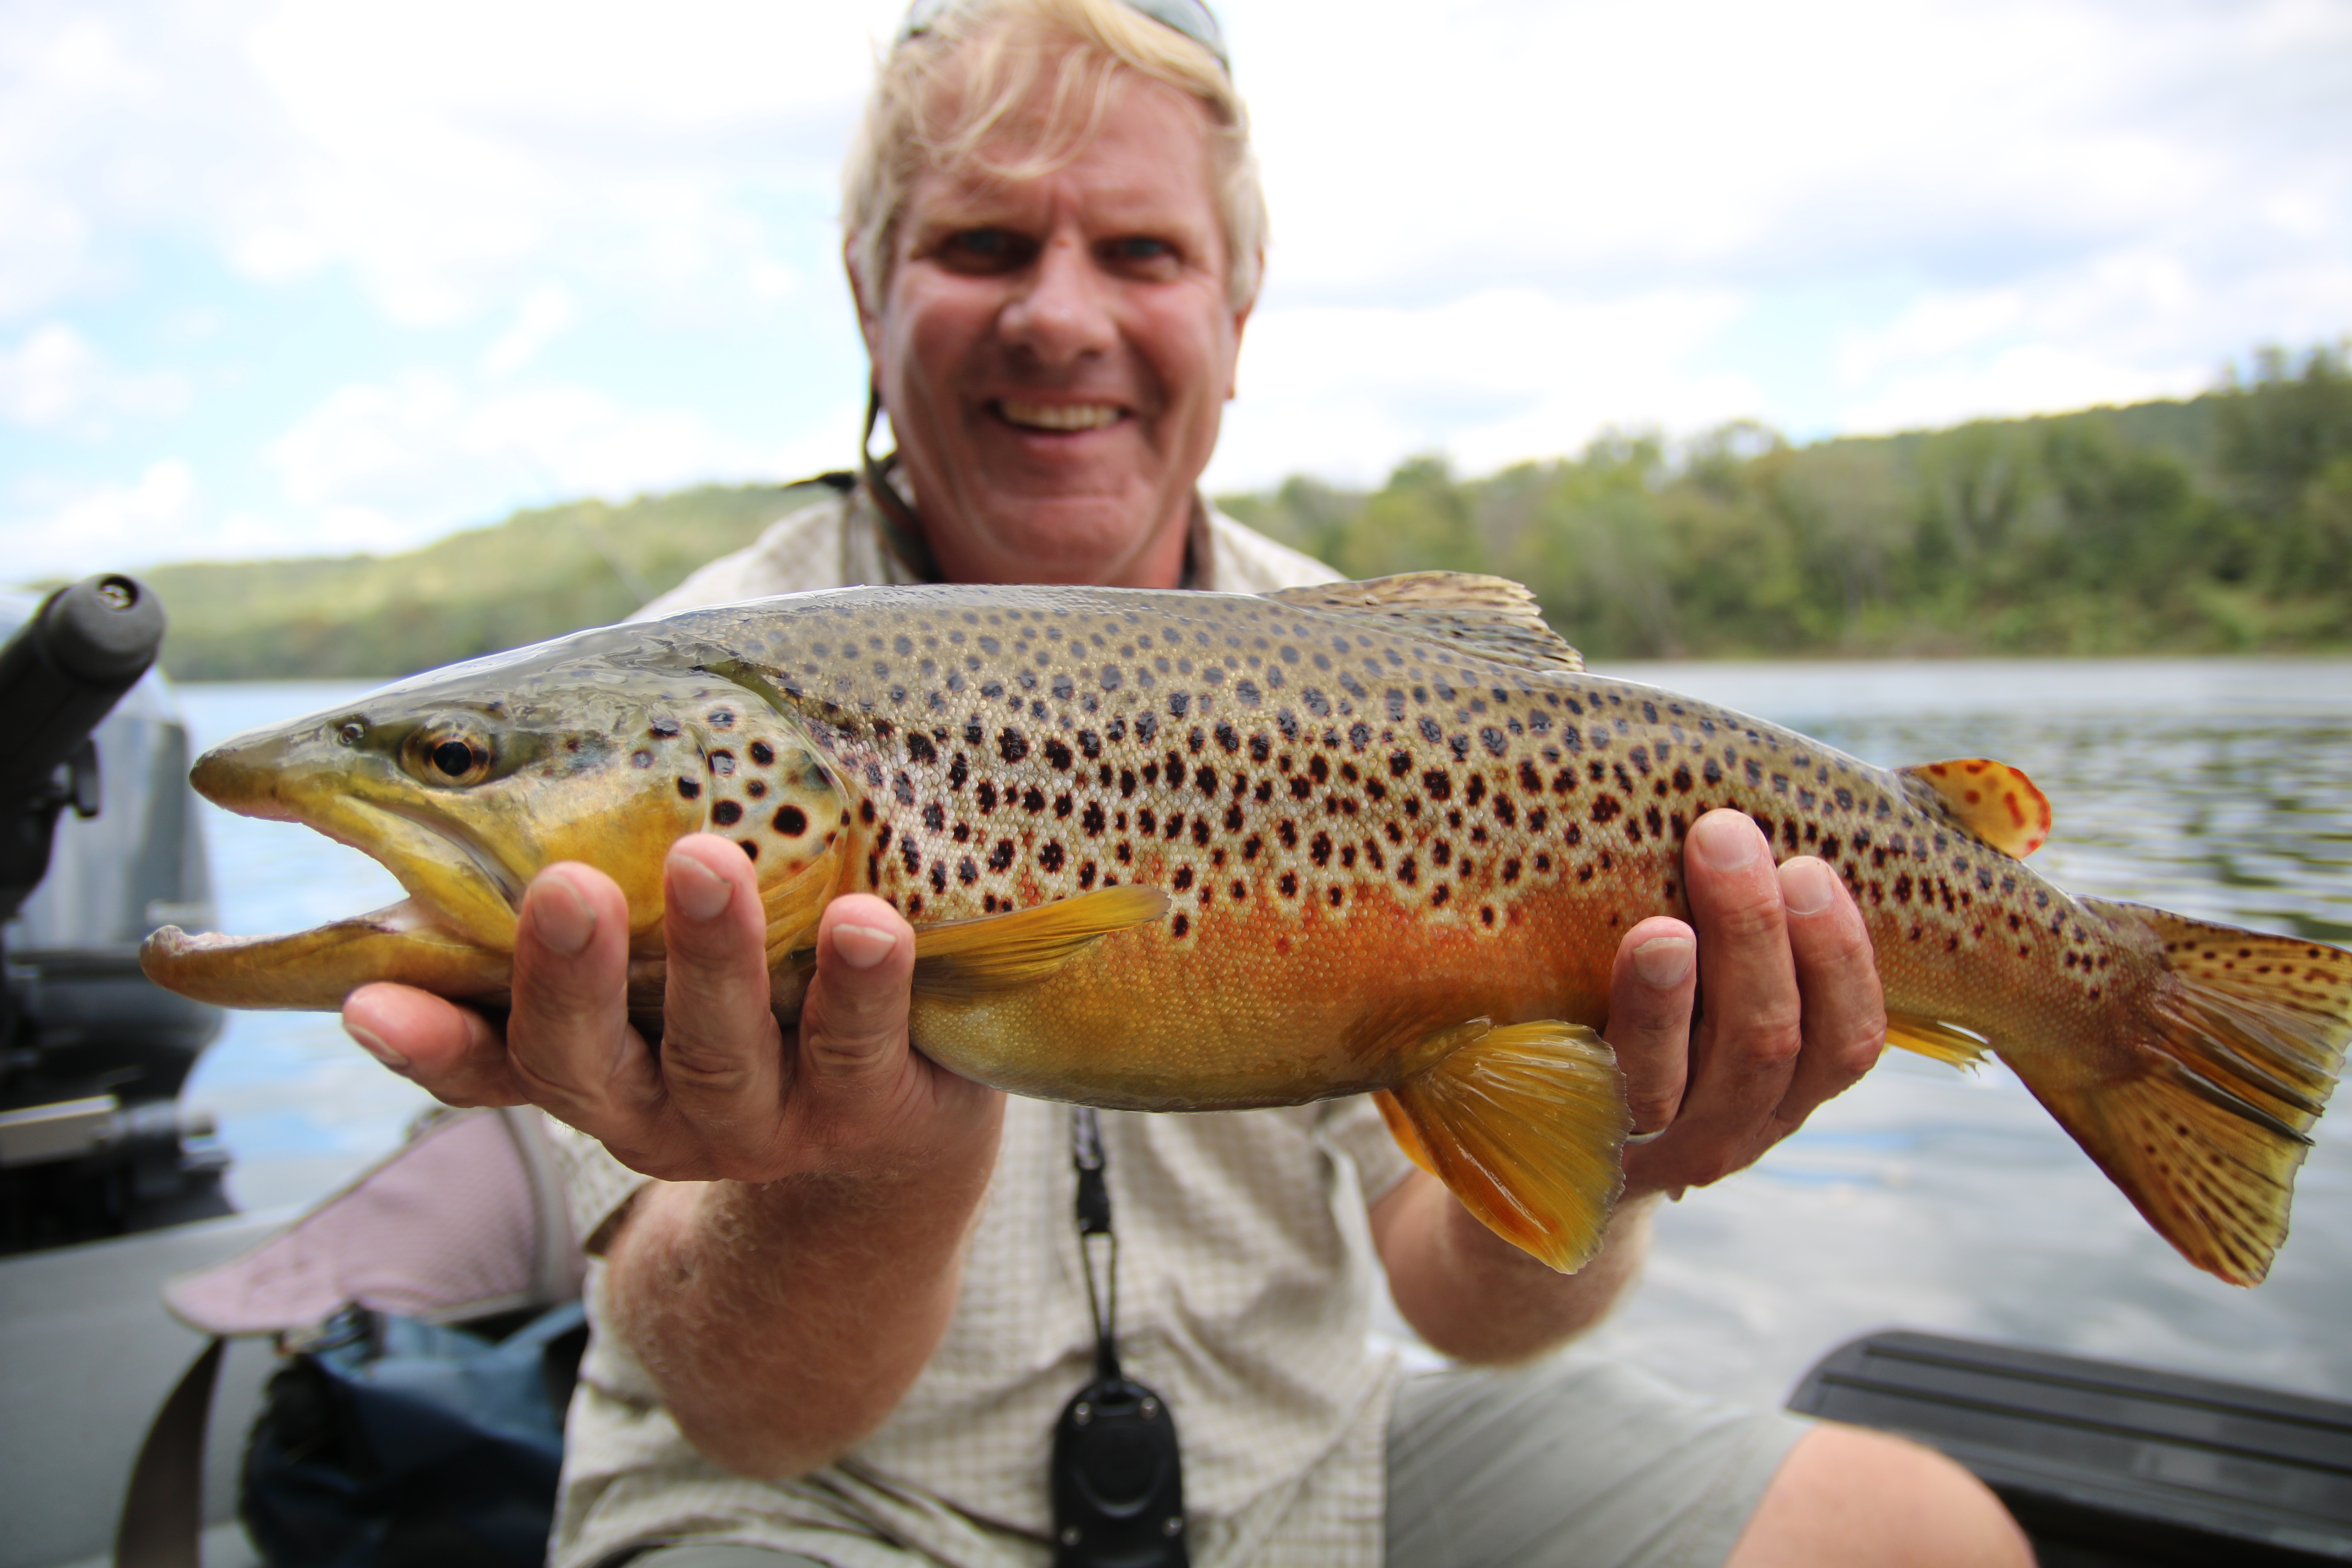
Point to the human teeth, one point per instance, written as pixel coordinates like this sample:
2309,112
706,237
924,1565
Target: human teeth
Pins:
1060,415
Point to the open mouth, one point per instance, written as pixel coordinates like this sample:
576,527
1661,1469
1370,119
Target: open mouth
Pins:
451,936
1059,418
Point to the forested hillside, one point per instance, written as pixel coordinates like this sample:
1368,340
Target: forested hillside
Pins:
537,574
2216,524
2220,524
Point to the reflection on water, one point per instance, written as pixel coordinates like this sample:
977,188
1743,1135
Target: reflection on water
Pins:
1924,1197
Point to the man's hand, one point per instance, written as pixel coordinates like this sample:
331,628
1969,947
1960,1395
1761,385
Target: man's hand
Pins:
723,1097
1791,1015
789,1276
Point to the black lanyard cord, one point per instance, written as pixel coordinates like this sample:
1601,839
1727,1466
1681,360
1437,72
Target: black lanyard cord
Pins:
1094,1220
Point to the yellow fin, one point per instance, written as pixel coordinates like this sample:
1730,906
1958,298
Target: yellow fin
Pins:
2223,1071
793,906
965,959
1491,616
1992,800
1401,1127
1525,1125
1936,1040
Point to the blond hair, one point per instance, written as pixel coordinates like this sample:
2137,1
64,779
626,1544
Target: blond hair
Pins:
939,97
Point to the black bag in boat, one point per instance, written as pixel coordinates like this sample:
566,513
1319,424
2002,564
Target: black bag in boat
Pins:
388,1443
430,1321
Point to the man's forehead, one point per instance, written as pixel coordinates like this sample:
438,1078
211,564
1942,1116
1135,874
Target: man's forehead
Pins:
1134,165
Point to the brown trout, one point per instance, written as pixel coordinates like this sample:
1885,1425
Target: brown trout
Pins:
1186,851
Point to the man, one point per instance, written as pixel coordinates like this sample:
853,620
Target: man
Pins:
838,1324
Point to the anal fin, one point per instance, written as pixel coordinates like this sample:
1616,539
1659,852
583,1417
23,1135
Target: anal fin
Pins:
963,959
1525,1124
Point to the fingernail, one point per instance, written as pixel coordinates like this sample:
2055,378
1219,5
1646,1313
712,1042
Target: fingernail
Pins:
1807,887
1726,841
698,891
863,947
560,918
377,1048
1664,961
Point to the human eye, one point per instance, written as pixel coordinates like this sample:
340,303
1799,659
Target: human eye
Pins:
1142,253
986,250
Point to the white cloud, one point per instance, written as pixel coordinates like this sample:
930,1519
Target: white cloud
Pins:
546,312
1343,390
56,381
2026,380
72,531
383,467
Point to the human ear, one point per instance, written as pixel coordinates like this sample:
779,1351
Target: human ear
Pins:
869,320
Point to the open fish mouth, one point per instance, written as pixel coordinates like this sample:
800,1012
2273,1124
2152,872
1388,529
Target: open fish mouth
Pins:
453,935
314,970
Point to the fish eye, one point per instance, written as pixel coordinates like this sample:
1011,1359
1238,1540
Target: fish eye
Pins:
449,756
352,733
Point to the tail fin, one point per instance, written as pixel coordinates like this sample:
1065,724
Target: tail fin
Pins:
1524,1125
2237,1055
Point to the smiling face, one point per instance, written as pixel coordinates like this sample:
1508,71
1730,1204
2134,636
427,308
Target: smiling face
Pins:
1055,351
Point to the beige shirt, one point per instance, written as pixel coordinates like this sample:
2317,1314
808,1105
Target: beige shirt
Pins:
1246,1277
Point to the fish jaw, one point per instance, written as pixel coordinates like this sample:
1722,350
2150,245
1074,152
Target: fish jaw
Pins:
306,773
466,784
314,970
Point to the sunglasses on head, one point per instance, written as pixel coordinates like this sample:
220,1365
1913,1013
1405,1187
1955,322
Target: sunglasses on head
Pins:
1190,18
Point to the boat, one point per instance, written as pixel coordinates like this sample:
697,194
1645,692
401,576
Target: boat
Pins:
114,1190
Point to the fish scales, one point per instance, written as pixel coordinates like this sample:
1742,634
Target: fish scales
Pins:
1192,851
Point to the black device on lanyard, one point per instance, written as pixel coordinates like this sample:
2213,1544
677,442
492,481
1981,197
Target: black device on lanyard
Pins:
1117,1480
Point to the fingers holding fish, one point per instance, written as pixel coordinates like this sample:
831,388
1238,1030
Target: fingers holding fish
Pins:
452,1052
722,1057
863,1096
1744,1047
1651,992
1844,1016
568,1038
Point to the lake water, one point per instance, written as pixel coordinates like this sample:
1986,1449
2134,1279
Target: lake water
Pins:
1924,1197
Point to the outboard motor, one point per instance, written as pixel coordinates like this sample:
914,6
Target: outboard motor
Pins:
92,1055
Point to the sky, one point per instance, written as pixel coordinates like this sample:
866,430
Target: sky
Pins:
302,277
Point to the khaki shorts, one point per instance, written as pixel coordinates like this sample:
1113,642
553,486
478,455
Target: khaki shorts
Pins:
1575,1462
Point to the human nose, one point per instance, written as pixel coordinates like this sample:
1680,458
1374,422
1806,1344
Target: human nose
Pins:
1064,315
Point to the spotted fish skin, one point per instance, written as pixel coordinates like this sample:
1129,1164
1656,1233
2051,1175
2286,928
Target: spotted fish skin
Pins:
1392,848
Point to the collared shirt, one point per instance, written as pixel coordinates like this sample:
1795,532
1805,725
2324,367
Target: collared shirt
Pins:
1246,1277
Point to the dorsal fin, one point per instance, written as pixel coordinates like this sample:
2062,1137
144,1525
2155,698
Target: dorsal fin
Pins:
1492,617
1991,800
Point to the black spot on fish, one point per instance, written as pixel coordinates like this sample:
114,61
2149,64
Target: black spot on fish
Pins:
1012,745
664,728
1179,925
789,820
721,717
726,812
1059,754
1050,857
690,789
1001,858
987,794
918,747
750,847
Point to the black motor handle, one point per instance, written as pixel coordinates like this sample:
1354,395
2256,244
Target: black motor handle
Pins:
63,672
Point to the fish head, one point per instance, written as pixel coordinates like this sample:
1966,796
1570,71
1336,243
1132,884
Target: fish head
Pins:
465,783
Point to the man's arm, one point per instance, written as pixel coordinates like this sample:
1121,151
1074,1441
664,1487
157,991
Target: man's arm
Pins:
1794,1016
788,1277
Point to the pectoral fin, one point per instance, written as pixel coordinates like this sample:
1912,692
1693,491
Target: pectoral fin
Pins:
963,960
1525,1125
1936,1040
